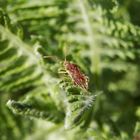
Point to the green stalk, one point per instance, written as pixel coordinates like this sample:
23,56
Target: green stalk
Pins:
91,41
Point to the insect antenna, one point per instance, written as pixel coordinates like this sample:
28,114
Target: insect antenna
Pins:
54,58
65,52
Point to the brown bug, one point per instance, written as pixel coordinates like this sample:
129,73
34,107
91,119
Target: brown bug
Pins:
76,75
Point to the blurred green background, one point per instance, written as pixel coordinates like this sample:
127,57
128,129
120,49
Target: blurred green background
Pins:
102,37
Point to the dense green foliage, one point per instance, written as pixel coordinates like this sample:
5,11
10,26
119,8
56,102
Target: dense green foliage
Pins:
37,101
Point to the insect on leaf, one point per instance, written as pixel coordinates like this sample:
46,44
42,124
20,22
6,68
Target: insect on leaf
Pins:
76,75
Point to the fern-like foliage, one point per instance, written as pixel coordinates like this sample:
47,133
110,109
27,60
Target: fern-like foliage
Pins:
90,33
79,110
39,106
22,70
79,105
